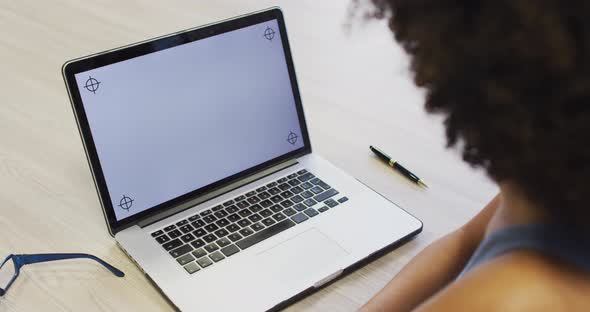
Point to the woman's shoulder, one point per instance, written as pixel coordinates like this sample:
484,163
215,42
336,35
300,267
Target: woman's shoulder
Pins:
517,281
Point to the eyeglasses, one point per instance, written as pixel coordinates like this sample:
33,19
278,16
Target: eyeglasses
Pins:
10,267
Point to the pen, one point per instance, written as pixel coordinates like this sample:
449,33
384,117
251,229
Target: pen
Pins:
396,166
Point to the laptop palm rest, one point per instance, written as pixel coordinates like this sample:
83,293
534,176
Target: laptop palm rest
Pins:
303,255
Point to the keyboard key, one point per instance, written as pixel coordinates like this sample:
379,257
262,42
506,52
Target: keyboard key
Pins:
204,262
230,250
198,224
222,222
199,232
192,267
185,259
310,202
284,187
266,213
325,195
232,209
264,234
302,171
217,208
274,191
210,238
211,247
261,189
232,228
221,214
246,232
271,185
216,256
181,223
244,213
266,203
157,233
268,221
324,185
211,227
221,233
198,243
296,190
223,242
199,253
240,198
286,194
316,189
263,195
300,207
306,177
181,251
244,223
257,226
174,233
296,199
193,218
276,199
315,181
169,228
250,194
311,212
187,238
331,203
172,244
234,217
243,204
279,216
323,209
255,218
289,211
255,208
299,218
209,219
343,199
205,212
294,182
234,237
306,186
253,200
162,239
292,176
276,208
307,194
287,203
228,203
282,180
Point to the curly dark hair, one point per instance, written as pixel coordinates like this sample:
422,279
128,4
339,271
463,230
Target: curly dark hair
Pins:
512,78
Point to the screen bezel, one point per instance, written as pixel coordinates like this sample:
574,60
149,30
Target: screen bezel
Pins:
74,67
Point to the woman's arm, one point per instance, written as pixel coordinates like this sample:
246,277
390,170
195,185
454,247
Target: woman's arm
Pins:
434,267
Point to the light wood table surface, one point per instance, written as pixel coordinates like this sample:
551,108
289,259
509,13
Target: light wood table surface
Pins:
356,91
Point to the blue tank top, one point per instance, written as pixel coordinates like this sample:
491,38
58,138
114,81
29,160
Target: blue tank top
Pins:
551,240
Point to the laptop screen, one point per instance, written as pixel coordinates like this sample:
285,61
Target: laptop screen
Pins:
174,121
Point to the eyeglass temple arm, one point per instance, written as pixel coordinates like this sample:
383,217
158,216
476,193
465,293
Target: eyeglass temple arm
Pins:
36,258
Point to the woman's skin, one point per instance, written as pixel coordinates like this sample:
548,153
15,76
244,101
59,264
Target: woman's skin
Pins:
516,281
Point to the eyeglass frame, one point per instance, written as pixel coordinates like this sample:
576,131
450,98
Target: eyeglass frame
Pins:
22,260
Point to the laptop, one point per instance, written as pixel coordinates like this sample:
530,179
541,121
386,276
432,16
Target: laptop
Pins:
203,165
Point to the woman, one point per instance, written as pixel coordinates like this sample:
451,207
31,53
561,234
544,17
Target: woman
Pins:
512,78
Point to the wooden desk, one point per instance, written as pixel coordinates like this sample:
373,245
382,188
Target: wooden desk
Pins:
356,91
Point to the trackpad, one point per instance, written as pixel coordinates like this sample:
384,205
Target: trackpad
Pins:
301,256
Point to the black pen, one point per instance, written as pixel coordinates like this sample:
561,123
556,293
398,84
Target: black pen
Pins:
396,166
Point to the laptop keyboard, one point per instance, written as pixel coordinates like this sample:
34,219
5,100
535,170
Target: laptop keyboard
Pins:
224,230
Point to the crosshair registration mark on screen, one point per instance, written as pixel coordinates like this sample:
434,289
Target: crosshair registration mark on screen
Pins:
92,84
126,202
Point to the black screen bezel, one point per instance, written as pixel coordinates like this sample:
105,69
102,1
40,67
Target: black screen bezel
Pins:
157,44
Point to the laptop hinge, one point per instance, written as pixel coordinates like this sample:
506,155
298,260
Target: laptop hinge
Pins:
203,198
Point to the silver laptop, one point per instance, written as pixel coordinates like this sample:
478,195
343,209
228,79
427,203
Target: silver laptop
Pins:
202,161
